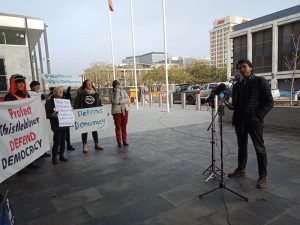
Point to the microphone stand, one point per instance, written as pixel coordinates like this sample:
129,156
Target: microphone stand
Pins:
222,184
213,169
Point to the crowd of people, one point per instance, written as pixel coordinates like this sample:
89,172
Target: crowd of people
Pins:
86,97
251,101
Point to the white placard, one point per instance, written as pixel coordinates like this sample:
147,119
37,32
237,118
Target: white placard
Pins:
65,112
90,119
23,135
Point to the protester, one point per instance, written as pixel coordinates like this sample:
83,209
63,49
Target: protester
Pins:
67,95
59,133
251,101
18,91
88,97
35,89
119,109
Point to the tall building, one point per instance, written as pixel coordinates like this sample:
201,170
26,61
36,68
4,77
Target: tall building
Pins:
19,41
267,42
156,58
219,39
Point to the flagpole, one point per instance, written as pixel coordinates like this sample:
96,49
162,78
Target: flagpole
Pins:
166,52
134,59
112,44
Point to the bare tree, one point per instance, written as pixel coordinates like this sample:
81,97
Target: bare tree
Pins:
293,62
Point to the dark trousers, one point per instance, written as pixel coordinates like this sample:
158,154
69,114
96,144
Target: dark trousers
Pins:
255,130
68,139
121,124
84,137
59,139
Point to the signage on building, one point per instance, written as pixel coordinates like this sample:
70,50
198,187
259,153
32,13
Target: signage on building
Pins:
221,21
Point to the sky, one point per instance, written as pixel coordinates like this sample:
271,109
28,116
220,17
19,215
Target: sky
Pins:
79,35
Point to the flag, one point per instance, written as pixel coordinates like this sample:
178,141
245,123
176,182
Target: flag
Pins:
110,5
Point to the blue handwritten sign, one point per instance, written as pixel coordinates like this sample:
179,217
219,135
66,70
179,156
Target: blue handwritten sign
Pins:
90,119
65,80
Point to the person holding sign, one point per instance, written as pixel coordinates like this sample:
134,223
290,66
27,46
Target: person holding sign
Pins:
17,92
59,133
87,97
119,110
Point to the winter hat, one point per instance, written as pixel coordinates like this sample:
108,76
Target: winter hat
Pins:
115,83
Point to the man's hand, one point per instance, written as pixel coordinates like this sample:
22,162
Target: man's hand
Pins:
54,114
229,105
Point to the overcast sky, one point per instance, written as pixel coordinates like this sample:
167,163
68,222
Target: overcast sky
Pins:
79,35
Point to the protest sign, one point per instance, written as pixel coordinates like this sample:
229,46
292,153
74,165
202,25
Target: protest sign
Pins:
65,112
23,135
90,119
64,80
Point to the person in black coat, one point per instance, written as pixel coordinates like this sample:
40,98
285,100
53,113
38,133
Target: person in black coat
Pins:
59,133
251,101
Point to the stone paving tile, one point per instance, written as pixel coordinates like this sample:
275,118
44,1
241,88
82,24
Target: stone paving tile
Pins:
76,199
181,194
72,216
156,182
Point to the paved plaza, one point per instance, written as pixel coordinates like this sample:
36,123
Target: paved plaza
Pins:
157,179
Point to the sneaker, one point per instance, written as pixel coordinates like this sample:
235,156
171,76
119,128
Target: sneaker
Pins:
70,148
63,159
261,182
120,145
237,173
85,148
125,144
98,147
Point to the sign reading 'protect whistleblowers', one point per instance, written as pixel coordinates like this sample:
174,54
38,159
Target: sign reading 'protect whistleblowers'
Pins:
64,80
23,134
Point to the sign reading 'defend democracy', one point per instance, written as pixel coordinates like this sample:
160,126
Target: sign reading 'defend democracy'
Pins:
90,119
23,135
65,112
65,80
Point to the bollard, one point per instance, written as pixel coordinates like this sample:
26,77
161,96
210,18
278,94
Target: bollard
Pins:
171,100
198,102
183,100
143,99
160,100
151,99
216,103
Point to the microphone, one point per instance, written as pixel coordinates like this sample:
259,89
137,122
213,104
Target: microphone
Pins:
218,89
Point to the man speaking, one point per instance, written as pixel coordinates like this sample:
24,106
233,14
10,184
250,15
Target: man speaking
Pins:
251,101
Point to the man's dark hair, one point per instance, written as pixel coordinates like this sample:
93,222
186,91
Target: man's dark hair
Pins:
246,61
34,83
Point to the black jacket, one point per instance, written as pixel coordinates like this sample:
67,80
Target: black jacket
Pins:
87,100
10,97
251,98
53,120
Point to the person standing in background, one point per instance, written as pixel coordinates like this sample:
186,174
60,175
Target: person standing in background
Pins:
119,110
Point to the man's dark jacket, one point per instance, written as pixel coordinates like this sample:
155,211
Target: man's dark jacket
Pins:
251,98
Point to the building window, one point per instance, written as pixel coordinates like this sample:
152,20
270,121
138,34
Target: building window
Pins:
285,43
12,37
3,84
239,50
262,51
